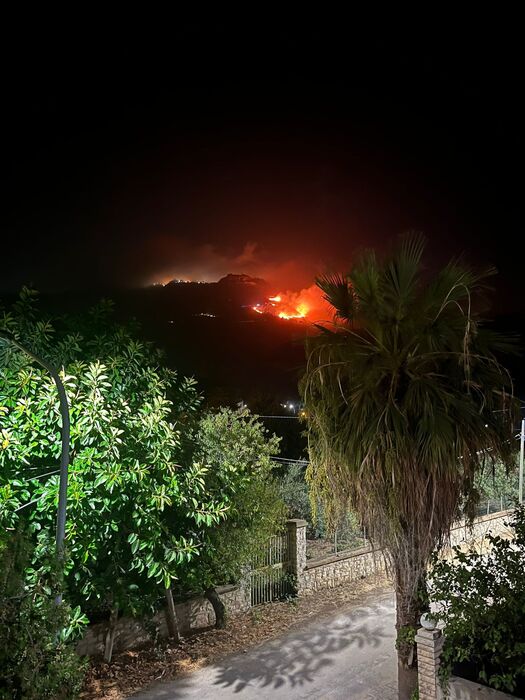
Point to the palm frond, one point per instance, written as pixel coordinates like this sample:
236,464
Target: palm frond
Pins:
338,292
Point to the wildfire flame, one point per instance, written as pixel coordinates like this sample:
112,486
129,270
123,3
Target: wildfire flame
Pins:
306,304
300,312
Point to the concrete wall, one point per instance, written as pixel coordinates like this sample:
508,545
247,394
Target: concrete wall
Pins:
195,613
461,689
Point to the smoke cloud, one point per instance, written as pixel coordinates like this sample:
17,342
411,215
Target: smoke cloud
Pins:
171,259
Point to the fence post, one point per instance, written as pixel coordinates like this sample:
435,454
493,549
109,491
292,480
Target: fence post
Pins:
245,584
296,550
429,645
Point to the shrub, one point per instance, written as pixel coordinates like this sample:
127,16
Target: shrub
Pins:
237,452
294,492
37,657
481,598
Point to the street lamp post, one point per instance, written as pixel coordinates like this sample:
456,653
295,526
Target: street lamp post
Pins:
522,453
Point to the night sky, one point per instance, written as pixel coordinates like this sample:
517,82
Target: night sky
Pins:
273,148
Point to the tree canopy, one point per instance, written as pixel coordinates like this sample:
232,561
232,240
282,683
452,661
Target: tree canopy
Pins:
136,500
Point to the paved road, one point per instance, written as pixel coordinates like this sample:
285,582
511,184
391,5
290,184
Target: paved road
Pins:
348,655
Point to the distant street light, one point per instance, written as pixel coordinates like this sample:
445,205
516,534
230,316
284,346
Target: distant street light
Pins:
64,457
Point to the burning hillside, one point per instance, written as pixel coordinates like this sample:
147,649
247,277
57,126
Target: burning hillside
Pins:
308,304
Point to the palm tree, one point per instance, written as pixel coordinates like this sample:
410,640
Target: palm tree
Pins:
405,398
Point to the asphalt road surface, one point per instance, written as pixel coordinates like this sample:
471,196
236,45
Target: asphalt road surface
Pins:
348,655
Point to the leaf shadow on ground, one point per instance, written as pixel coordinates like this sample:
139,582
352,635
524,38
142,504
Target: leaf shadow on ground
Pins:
303,661
302,658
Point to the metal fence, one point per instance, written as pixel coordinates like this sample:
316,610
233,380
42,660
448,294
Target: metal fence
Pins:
269,577
350,536
494,505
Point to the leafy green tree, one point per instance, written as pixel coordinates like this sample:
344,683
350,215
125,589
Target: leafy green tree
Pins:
133,508
405,398
237,451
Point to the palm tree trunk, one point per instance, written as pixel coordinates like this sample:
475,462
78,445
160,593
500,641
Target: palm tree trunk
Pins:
407,622
411,603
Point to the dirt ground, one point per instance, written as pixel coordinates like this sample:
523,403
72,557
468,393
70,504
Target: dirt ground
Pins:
134,670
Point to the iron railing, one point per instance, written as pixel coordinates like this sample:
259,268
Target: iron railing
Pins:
269,577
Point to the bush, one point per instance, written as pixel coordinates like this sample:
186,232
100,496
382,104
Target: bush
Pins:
37,657
237,451
481,598
295,492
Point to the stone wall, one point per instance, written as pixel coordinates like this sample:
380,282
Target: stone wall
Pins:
494,523
345,567
195,613
311,576
337,569
296,547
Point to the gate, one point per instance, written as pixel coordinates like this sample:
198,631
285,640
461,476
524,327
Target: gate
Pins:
269,575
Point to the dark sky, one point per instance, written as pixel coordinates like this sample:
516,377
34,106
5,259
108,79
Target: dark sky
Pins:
270,147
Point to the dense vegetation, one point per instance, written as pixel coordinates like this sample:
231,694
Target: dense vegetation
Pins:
164,496
36,656
155,488
239,453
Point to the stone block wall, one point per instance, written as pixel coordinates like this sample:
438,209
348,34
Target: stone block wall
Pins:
338,569
296,548
429,646
494,523
310,575
195,613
